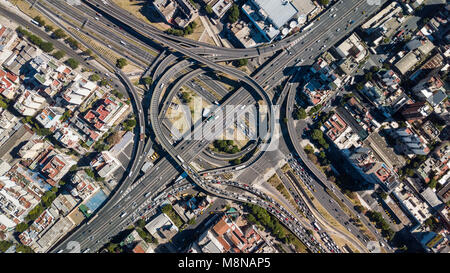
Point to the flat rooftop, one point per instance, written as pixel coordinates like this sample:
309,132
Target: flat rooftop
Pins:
278,11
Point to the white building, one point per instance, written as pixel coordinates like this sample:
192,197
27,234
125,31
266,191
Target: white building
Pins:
29,103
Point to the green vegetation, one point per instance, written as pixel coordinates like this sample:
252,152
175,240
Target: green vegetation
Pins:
21,227
225,146
314,109
72,42
59,34
66,115
242,62
381,223
4,102
236,161
48,28
121,63
300,113
36,127
129,124
39,20
94,77
4,245
324,2
186,97
147,81
317,135
233,14
189,29
117,93
59,54
167,209
261,217
72,63
45,46
208,9
146,236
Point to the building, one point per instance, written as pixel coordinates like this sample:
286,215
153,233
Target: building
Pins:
105,164
137,244
415,111
20,190
340,133
270,16
227,237
35,146
55,166
8,124
162,228
50,117
221,7
105,112
432,89
78,90
8,84
67,136
436,165
408,142
179,12
353,46
29,103
20,56
85,185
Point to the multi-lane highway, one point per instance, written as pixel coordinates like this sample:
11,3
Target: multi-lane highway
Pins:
302,46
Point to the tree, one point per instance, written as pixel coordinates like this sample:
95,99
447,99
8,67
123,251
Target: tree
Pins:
147,81
88,52
48,28
233,14
242,62
103,82
324,2
140,223
191,221
94,77
186,97
47,47
59,54
21,227
237,161
432,183
300,114
121,62
72,63
208,9
59,33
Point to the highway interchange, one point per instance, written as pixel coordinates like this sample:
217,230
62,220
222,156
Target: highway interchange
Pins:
299,49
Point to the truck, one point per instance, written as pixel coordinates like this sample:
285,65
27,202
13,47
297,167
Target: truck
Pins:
147,194
123,214
239,168
122,42
35,22
316,225
142,136
179,158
